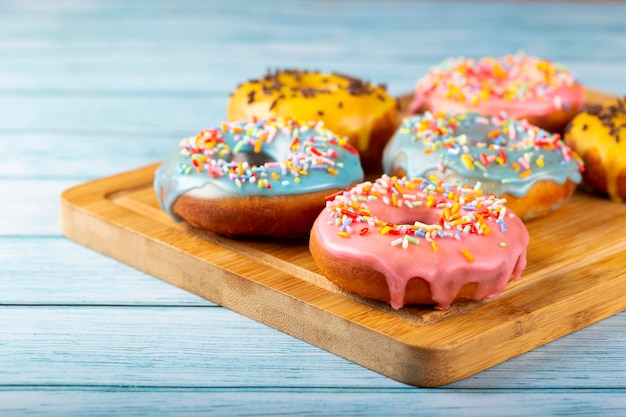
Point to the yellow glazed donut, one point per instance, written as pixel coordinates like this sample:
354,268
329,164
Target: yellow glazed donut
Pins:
598,134
348,106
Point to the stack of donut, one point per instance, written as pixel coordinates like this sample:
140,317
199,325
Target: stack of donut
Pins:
451,185
292,137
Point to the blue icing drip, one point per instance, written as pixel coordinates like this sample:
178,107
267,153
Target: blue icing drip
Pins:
288,172
440,144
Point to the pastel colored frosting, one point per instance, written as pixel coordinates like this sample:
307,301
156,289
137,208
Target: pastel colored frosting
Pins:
505,155
446,234
522,85
298,158
601,130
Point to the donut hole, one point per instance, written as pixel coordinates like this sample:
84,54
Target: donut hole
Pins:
252,158
478,133
424,215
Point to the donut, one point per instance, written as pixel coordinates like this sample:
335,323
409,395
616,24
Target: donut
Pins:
348,106
534,170
418,241
264,178
598,135
544,93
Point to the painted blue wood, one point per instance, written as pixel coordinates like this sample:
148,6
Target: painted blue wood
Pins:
31,207
76,275
50,112
78,155
186,347
116,47
136,402
121,70
89,88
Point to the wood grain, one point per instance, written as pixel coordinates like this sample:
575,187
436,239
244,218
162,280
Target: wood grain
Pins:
565,288
139,401
92,88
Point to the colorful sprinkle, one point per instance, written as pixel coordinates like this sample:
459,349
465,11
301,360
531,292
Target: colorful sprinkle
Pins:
209,152
468,255
443,142
462,210
514,77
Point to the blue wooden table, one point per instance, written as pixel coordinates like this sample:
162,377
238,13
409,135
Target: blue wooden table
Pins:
90,88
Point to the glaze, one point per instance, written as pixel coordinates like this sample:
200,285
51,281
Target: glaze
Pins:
347,105
302,157
600,132
505,155
447,235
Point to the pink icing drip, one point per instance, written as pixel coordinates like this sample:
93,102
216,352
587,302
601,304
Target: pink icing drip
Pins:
446,270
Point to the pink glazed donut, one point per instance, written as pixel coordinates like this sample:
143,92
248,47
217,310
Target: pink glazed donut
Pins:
524,87
418,241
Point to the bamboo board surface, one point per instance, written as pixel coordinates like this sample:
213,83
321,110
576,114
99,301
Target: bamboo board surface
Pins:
575,277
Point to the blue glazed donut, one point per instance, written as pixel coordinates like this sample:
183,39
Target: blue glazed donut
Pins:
534,170
264,178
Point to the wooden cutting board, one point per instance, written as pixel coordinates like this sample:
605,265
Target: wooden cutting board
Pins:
576,276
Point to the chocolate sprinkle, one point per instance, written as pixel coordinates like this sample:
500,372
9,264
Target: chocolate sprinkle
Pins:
276,101
607,116
594,109
271,84
251,96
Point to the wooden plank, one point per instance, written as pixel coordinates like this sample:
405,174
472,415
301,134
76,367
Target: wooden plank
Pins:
72,159
119,48
169,113
139,71
133,72
124,19
77,276
105,346
162,346
35,212
564,288
135,401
